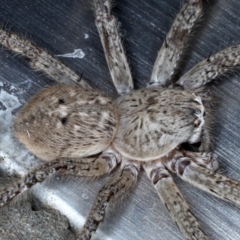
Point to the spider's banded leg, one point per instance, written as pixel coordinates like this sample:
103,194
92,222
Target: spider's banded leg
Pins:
205,159
76,167
93,167
174,201
205,140
206,97
111,191
40,59
206,180
210,68
113,48
170,53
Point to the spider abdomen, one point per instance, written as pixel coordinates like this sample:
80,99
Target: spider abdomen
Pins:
66,121
154,121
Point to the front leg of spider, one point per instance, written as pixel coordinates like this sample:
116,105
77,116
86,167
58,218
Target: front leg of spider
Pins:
174,201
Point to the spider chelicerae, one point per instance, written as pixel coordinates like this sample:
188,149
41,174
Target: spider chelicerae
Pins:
135,125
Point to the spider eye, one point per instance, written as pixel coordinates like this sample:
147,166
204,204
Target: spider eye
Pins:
204,114
61,101
197,122
197,112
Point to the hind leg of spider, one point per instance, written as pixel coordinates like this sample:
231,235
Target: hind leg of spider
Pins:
174,201
111,191
169,56
212,67
205,179
113,48
90,167
40,59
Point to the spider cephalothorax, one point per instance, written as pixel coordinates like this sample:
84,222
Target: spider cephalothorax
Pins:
154,121
81,131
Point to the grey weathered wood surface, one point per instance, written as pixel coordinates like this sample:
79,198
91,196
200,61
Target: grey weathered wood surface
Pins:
59,27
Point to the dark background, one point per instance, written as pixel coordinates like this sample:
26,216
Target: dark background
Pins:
59,27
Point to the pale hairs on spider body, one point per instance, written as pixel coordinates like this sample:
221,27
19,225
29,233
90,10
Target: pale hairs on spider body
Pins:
143,128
